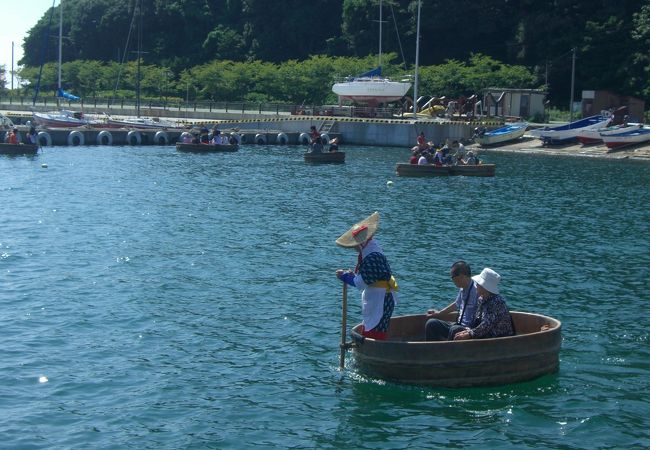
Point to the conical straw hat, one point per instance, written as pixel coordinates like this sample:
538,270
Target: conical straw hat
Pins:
360,232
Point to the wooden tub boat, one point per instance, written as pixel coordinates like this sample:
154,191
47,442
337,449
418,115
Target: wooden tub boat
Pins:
406,358
430,170
479,170
18,149
206,148
325,157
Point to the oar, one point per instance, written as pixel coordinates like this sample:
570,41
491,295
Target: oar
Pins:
344,325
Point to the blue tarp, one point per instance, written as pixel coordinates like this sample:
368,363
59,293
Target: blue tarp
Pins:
373,73
64,94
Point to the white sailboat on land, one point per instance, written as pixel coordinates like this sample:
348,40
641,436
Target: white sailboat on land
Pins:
371,88
61,118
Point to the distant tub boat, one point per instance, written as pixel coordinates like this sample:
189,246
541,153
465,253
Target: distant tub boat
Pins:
406,358
18,149
431,170
501,135
566,133
206,148
325,157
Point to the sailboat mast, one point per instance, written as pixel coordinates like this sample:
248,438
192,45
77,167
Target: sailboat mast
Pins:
60,39
417,61
380,26
137,88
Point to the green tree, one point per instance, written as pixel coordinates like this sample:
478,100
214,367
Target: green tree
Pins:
639,74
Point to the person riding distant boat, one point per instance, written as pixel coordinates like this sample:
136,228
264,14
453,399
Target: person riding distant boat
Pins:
471,160
438,159
334,145
316,146
31,136
216,137
415,156
203,137
314,134
13,137
458,148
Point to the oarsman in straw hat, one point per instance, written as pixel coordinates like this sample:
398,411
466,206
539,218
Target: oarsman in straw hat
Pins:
492,315
372,276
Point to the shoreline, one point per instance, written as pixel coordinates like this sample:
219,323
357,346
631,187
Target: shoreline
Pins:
533,146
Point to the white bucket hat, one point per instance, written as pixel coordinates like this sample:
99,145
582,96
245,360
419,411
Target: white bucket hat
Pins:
360,232
488,279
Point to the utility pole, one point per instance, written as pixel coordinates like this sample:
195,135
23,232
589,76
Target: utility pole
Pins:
12,65
546,75
573,80
58,104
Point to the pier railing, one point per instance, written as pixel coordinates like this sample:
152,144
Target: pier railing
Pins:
164,108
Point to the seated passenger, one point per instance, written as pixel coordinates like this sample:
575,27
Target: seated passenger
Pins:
316,146
471,159
492,318
12,137
204,139
216,137
422,160
32,137
438,159
415,155
458,148
334,145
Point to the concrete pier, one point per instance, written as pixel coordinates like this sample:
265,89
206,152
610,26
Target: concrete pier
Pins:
279,129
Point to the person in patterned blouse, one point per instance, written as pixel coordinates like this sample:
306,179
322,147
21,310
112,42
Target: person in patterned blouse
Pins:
492,317
372,276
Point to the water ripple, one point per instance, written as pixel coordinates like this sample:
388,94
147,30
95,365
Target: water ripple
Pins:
189,301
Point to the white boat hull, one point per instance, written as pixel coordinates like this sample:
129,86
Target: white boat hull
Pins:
142,123
591,136
63,119
626,136
569,132
501,135
371,91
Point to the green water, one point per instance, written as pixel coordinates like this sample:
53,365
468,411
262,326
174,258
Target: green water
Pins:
189,301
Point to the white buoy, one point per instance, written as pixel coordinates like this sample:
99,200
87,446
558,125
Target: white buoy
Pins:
42,379
389,183
44,166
